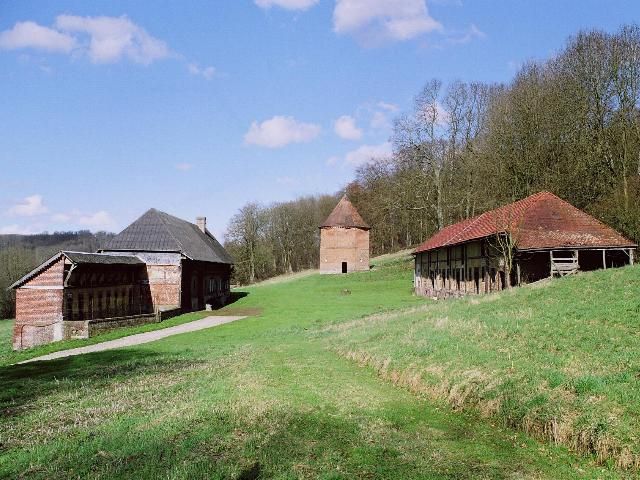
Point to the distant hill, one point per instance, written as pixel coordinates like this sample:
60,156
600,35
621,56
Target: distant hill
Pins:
21,253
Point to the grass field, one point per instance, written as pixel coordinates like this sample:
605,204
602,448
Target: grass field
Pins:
559,360
8,356
276,396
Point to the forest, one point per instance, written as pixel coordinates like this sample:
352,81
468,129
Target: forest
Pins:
569,124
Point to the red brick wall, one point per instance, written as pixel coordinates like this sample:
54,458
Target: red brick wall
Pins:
165,284
339,245
39,310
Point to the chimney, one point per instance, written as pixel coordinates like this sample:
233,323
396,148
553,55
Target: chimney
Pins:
201,222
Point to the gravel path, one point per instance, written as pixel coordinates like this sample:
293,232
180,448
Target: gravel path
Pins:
139,338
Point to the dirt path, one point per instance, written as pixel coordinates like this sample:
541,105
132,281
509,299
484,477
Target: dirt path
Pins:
139,338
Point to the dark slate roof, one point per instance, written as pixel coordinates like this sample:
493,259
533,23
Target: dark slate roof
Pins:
102,258
156,231
345,215
78,258
541,221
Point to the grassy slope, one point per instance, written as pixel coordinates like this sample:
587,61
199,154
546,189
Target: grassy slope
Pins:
559,360
262,394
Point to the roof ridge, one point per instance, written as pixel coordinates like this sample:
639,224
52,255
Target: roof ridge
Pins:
85,253
536,197
158,212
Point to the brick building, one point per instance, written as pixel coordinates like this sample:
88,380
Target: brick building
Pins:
539,236
344,240
157,267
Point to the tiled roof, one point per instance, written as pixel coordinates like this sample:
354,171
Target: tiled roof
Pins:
78,258
345,215
157,231
540,221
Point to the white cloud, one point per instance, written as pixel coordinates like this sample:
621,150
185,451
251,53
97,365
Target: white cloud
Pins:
367,153
442,115
380,117
286,4
472,33
389,107
184,166
280,131
379,120
29,207
60,218
102,39
206,72
114,38
333,160
98,221
383,19
345,127
32,35
16,230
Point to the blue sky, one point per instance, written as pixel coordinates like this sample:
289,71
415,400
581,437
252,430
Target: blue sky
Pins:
108,108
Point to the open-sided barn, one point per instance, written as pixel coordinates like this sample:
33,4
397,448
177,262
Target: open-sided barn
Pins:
158,266
533,238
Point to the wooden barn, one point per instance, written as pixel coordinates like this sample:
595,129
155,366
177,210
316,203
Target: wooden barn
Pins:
528,240
344,240
157,267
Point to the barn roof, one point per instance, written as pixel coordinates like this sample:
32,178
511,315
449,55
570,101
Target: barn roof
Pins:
541,221
345,215
78,258
156,231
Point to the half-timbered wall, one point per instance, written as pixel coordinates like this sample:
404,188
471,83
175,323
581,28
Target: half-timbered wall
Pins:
458,270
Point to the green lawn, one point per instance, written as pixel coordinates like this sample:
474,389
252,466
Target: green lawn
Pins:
271,396
8,356
558,360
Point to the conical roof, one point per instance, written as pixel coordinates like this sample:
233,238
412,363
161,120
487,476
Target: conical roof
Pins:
345,215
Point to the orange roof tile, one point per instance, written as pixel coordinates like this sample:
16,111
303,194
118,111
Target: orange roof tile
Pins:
540,221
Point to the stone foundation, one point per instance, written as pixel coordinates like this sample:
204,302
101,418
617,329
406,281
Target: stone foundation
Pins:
96,326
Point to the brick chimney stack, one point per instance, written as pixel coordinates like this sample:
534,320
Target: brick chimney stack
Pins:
201,222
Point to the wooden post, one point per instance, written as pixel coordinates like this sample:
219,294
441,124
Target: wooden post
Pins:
604,260
486,279
518,273
631,256
551,263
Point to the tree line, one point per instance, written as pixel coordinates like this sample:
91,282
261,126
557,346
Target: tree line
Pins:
279,238
569,124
